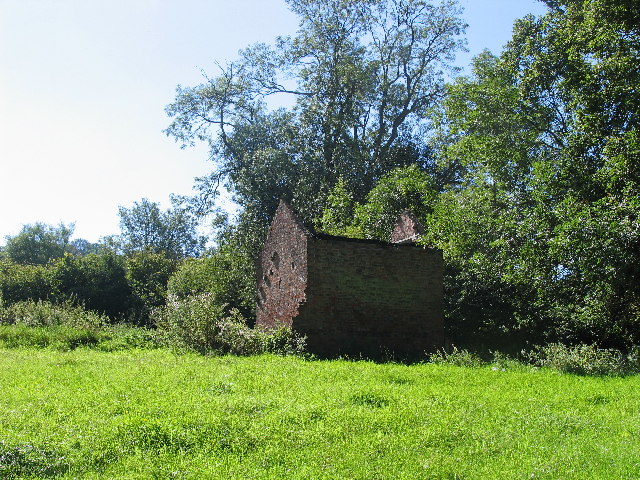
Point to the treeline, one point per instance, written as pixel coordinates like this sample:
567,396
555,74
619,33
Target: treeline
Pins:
125,277
525,173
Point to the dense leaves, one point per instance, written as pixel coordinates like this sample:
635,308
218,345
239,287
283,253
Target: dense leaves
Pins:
38,243
172,233
541,237
362,74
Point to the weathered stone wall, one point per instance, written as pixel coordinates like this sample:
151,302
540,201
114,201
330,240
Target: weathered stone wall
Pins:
282,270
371,298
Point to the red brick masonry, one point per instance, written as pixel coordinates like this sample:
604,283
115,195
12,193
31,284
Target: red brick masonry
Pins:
351,297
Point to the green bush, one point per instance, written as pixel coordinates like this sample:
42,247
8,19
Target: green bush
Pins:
224,274
585,360
202,324
148,274
42,313
25,282
97,281
461,358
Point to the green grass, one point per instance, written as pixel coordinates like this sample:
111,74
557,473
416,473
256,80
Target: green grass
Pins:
154,414
64,337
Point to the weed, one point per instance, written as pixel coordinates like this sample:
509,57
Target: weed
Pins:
20,461
584,360
42,313
200,323
461,358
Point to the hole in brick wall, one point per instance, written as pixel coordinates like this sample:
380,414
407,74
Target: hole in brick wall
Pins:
275,258
261,295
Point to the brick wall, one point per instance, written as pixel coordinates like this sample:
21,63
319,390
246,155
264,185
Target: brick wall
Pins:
350,296
282,270
372,298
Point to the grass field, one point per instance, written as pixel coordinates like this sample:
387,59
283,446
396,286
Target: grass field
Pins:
154,414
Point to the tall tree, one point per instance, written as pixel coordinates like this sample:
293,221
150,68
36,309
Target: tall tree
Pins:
362,74
38,243
547,134
145,227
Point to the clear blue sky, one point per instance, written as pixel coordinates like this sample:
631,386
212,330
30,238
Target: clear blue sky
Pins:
83,85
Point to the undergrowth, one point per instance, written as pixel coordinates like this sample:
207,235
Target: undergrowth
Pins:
200,323
578,359
197,324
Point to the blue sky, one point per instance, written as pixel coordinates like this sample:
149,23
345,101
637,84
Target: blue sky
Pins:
84,84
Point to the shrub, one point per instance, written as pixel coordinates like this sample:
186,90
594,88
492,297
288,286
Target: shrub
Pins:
225,274
42,313
461,358
202,324
148,274
97,281
585,360
25,282
282,341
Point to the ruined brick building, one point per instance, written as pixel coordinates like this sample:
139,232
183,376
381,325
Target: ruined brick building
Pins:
349,296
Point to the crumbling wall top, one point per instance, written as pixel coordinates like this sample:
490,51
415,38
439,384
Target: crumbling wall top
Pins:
408,228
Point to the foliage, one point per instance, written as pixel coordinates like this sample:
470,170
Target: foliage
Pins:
540,238
361,73
25,282
96,281
147,274
458,357
145,228
152,414
406,188
41,313
585,359
200,323
80,246
38,244
221,274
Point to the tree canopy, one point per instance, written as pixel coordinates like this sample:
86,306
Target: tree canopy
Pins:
145,227
38,244
362,75
542,234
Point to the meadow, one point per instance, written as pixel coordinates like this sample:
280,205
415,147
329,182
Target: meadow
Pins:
153,413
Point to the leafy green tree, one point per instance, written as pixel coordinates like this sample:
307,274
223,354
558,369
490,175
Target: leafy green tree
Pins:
38,243
95,281
407,188
226,273
145,228
544,227
362,74
25,282
148,274
80,246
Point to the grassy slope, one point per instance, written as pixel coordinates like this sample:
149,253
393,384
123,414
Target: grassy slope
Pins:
153,414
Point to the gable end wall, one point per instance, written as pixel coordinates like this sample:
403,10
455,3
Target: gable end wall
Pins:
282,271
